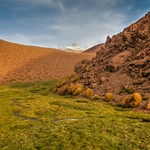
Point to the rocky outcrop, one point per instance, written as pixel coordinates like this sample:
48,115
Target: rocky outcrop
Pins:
123,63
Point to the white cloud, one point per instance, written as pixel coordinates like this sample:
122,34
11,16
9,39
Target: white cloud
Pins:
60,4
88,31
19,38
43,41
86,22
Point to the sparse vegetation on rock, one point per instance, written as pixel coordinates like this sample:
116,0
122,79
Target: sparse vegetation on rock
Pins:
132,100
126,57
108,97
77,91
96,97
71,88
88,93
128,90
75,79
121,66
63,90
61,83
54,90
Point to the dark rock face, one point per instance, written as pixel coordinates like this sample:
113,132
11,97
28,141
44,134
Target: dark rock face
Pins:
123,62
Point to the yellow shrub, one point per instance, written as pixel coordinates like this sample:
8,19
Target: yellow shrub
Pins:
75,79
64,89
54,90
71,88
69,77
96,97
132,100
136,100
88,68
77,91
88,93
126,99
61,83
108,96
79,85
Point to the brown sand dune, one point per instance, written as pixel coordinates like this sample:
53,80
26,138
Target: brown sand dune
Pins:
20,63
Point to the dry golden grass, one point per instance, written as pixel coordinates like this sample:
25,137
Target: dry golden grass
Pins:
20,63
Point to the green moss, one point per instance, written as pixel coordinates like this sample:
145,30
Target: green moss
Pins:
75,79
122,91
96,97
88,68
46,120
129,90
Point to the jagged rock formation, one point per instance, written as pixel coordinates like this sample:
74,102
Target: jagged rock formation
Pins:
123,63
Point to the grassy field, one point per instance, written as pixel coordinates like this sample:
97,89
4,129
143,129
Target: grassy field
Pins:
32,118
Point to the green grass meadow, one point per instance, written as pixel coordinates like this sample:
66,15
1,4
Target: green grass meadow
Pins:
33,118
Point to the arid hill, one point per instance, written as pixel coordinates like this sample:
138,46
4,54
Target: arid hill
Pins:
20,63
123,65
95,48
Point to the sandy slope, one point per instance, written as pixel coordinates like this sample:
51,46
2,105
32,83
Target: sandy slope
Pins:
95,48
19,63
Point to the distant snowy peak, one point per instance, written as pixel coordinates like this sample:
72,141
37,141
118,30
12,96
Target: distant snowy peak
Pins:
72,48
74,44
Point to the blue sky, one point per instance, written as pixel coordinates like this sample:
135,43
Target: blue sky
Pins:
55,23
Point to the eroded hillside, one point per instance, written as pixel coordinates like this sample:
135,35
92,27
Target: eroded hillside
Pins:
19,63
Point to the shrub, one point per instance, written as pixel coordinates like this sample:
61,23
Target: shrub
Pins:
71,88
132,100
78,91
108,96
61,83
136,100
88,93
96,97
54,90
129,90
69,77
75,79
79,85
126,101
122,91
88,69
64,89
75,89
